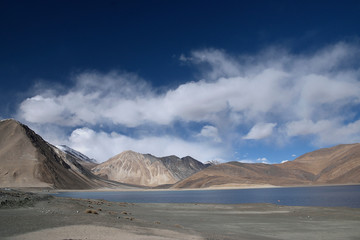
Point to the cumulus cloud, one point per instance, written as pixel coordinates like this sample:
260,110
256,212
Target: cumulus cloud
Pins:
246,161
93,99
216,62
260,131
258,160
262,160
210,132
101,145
326,132
238,98
280,87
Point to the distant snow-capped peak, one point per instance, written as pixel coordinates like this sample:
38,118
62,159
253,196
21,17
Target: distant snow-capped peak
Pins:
75,153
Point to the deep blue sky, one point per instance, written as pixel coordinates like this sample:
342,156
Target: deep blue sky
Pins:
52,39
52,42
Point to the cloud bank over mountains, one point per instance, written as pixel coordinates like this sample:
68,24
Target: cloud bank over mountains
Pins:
273,96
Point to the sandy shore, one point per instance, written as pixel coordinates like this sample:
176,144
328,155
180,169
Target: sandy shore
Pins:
215,187
33,216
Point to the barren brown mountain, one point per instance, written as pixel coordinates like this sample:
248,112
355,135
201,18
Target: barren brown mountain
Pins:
26,160
146,170
336,165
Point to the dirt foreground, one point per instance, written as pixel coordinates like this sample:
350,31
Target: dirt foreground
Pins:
38,216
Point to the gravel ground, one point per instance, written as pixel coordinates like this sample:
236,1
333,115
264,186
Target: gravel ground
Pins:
38,216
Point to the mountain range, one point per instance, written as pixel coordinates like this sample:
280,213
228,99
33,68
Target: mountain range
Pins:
27,160
147,170
336,165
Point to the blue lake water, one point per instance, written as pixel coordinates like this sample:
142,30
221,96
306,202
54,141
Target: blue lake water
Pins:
329,196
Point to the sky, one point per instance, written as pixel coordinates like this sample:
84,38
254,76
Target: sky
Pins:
250,81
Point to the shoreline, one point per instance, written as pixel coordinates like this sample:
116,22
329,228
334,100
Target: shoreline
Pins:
237,187
41,216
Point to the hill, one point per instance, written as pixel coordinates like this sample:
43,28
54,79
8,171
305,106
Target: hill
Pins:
27,160
147,170
336,165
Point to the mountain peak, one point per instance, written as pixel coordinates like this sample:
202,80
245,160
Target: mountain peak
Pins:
129,152
147,170
11,122
27,160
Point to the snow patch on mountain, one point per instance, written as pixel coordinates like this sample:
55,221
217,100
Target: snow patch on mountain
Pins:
76,154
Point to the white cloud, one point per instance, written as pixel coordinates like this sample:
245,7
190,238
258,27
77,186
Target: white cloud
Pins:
41,109
262,160
284,161
221,65
293,155
93,99
210,132
326,132
258,160
284,87
183,58
101,145
246,161
260,131
306,127
315,94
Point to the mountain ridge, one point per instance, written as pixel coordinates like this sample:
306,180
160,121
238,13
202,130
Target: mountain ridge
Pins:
27,160
336,165
146,169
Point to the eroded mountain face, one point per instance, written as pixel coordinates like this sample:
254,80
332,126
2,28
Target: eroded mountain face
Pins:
27,160
336,165
147,170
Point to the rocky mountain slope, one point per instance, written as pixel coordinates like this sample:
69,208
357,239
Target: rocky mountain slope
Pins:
84,160
242,174
182,168
147,170
336,165
26,160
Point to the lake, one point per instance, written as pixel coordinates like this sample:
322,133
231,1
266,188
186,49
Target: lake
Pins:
326,196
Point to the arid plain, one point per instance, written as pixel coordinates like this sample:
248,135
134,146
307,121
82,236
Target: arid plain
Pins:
39,216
